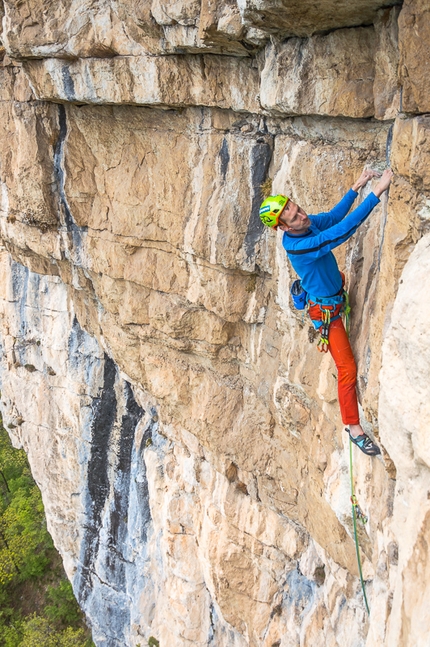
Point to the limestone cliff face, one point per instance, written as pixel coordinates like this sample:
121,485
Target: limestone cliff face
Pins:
179,421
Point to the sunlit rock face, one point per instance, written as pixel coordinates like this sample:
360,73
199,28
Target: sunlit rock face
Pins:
179,421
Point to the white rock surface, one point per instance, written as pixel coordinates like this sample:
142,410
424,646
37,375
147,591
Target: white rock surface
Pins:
404,415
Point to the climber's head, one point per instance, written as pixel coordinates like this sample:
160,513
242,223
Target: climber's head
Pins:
279,211
293,219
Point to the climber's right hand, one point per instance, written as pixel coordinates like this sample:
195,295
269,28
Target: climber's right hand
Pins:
383,183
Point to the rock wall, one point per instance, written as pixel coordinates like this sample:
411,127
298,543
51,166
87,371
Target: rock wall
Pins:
179,421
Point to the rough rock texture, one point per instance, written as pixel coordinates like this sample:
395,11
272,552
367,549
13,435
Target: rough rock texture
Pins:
402,371
414,31
182,427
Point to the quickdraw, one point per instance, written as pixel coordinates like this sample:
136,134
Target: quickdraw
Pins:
358,511
322,345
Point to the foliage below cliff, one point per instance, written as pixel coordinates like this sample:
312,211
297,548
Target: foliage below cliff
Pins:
37,606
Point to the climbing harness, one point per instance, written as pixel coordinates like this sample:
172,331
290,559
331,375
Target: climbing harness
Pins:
331,308
357,513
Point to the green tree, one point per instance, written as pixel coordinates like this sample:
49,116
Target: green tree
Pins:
30,567
62,607
25,544
38,632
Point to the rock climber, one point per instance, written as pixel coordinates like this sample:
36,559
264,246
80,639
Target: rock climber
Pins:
308,241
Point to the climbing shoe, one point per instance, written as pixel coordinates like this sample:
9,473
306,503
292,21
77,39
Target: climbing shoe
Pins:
365,444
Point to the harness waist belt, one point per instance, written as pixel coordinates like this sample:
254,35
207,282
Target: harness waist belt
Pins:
327,301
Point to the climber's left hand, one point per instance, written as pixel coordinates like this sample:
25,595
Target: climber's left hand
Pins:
364,178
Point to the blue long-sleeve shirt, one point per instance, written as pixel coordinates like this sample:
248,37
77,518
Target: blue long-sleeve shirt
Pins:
310,253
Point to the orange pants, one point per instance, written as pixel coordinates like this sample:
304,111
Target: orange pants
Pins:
341,351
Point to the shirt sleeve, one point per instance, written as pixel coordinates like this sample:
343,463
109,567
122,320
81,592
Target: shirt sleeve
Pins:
326,220
312,247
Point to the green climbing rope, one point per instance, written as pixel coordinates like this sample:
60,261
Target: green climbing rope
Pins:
356,510
357,514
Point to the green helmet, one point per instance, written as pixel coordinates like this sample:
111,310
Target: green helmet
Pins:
271,209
